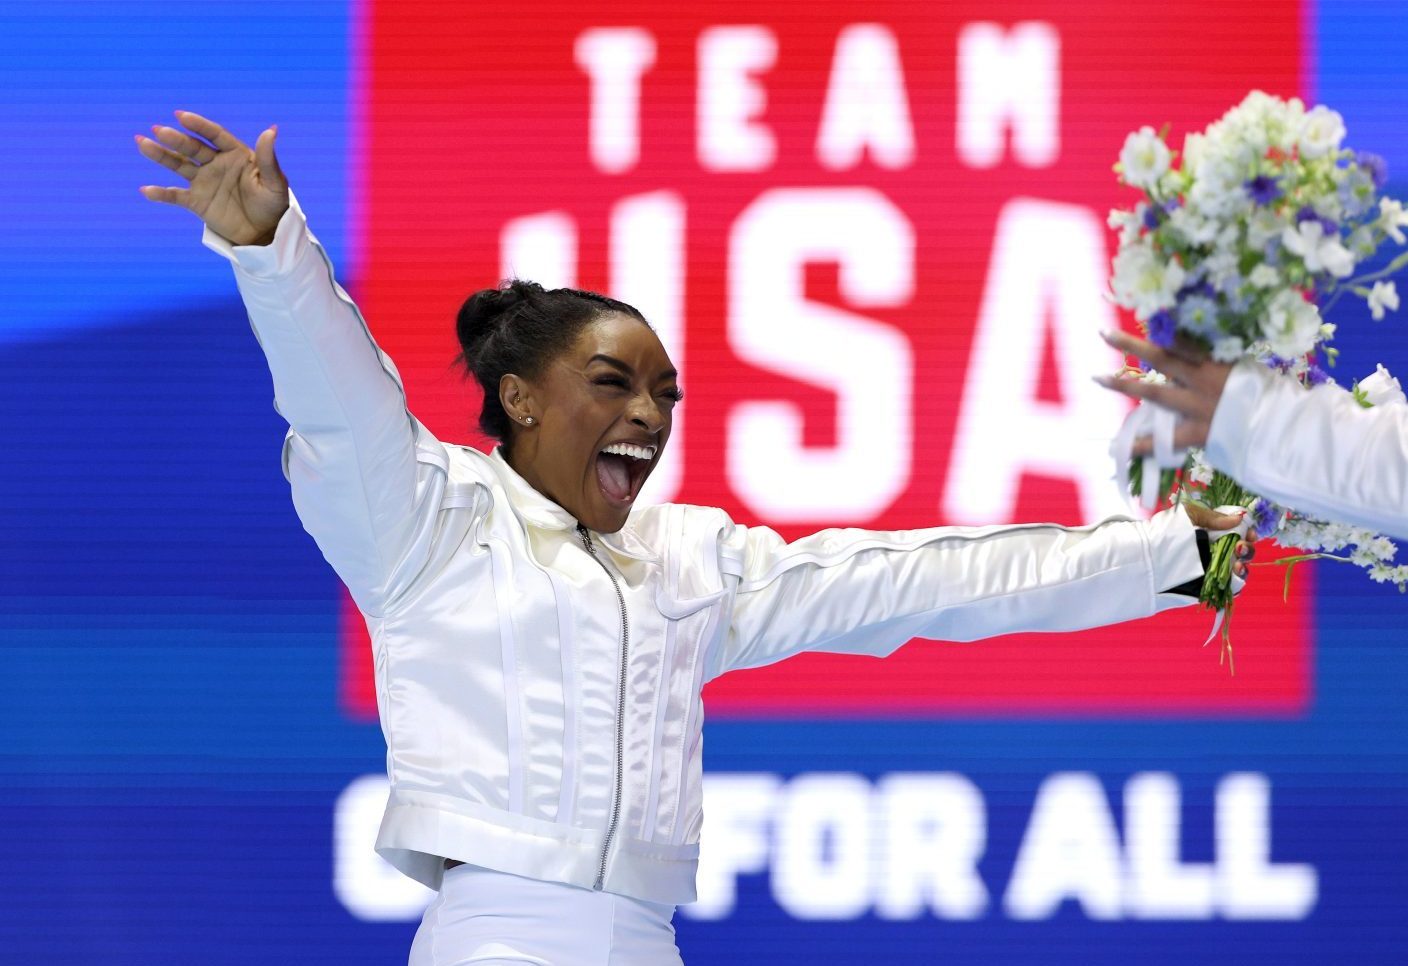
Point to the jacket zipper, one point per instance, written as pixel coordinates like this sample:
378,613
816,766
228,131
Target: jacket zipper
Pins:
620,709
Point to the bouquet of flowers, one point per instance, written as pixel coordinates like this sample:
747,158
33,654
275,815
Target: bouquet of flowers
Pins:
1240,247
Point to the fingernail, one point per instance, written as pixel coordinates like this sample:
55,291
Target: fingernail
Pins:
1105,336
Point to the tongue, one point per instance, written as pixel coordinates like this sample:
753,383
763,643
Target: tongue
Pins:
613,476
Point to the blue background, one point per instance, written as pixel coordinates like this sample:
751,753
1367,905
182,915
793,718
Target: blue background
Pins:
172,744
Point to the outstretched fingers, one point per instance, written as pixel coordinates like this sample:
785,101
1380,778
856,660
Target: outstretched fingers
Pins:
1168,395
167,158
182,143
171,196
212,132
1172,362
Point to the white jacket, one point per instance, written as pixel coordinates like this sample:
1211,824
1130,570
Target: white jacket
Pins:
535,721
1316,451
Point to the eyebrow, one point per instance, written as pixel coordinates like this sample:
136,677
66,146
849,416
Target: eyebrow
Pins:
613,361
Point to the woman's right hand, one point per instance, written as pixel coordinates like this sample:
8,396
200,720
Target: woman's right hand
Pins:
239,193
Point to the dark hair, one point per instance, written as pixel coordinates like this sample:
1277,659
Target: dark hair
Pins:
520,327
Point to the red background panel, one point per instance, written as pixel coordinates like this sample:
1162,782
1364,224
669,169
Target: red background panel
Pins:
474,118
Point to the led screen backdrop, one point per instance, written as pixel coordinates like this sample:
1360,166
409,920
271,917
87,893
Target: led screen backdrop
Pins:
873,238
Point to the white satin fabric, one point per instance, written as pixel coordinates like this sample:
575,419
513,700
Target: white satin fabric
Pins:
497,635
1316,451
485,918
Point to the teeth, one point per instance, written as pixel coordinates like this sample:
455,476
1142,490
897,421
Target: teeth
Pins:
635,452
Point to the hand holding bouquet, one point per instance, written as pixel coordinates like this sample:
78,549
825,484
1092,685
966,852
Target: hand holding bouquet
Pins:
1238,249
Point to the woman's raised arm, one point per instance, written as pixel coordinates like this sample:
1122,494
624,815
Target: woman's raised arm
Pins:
366,475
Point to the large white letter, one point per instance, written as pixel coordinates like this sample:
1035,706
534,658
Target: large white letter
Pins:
1249,885
822,865
1160,887
647,271
365,883
867,364
737,809
615,58
730,100
935,829
541,248
1070,851
1044,282
866,104
1009,79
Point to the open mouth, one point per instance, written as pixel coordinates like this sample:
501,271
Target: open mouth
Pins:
621,469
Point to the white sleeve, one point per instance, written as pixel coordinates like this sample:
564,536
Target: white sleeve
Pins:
366,475
1316,451
868,592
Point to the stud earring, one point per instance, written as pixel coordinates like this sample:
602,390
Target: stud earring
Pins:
527,420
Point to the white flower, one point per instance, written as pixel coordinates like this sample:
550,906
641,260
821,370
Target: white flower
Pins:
1392,218
1321,132
1144,282
1291,325
1199,472
1228,349
1222,269
1371,549
1380,388
1193,229
1384,295
1217,191
1144,158
1327,331
1328,206
1127,223
1320,252
1264,276
1194,146
1263,226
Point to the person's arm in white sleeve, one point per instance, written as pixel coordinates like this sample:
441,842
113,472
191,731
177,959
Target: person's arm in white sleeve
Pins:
868,592
1316,451
365,474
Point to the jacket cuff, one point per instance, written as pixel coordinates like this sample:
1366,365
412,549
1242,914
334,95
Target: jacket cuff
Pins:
1173,545
1229,434
265,261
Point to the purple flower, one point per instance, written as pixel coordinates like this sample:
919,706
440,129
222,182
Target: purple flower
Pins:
1263,189
1204,289
1308,213
1265,517
1161,327
1152,216
1376,166
1278,363
1316,376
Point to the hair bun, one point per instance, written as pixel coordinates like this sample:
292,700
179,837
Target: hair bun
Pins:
489,309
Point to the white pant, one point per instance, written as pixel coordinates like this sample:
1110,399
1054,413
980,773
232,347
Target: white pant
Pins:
487,918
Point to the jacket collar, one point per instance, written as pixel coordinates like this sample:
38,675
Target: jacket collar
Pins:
543,513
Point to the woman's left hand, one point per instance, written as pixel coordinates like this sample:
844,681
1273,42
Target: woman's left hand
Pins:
1214,521
1194,387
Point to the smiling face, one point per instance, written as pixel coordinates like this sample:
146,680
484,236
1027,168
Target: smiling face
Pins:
613,390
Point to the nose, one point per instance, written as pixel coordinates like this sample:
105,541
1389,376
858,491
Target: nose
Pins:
646,414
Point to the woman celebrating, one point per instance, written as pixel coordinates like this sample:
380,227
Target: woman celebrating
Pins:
540,644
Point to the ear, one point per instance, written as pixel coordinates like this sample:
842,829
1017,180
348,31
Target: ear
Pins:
516,396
